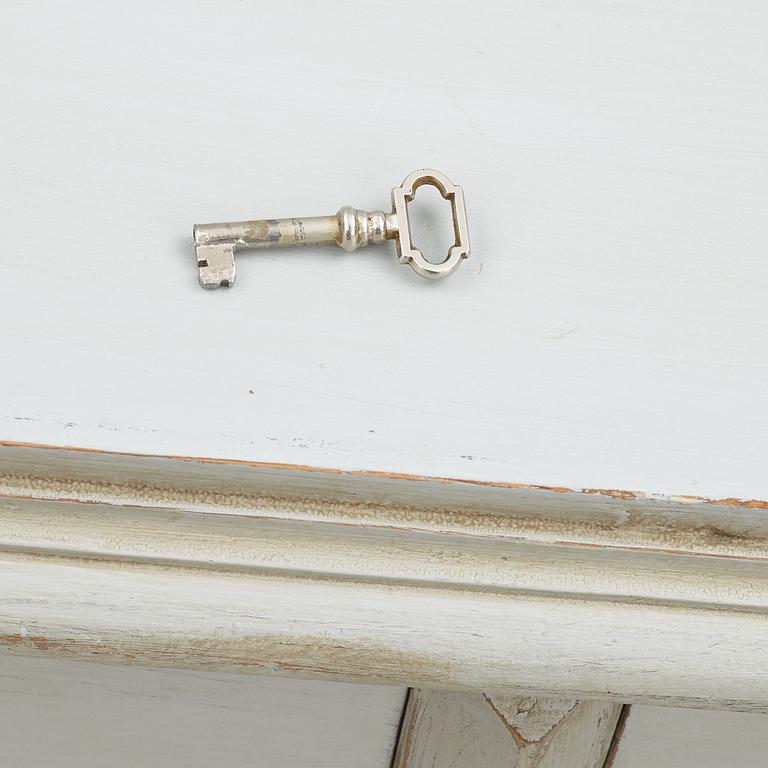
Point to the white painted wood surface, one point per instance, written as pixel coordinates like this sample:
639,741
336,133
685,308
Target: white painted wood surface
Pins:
457,730
76,715
681,738
609,330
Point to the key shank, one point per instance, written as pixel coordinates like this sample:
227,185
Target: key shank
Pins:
350,228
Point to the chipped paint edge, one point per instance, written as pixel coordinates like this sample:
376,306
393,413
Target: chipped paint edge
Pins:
613,493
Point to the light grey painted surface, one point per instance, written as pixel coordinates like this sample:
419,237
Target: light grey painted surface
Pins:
608,331
74,714
680,738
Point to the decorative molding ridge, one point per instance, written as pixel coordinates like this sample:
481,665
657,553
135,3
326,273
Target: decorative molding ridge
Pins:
390,578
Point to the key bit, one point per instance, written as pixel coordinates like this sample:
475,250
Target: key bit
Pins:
350,228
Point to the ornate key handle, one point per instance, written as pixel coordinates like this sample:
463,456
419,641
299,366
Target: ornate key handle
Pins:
350,228
406,252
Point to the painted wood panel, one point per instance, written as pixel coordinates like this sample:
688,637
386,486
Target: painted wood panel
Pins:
455,730
679,738
77,715
608,333
609,330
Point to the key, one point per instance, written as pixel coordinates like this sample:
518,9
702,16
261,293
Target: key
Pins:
350,228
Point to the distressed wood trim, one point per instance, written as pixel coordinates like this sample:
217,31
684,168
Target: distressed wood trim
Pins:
618,735
464,730
396,579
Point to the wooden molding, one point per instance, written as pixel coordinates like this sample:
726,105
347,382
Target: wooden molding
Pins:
438,583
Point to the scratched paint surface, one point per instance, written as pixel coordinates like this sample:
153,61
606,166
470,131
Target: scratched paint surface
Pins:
608,331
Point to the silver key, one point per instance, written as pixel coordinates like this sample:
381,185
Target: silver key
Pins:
350,228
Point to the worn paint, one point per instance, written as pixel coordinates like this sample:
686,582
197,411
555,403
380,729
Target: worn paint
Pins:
451,730
617,736
534,715
267,653
311,584
643,527
22,639
607,492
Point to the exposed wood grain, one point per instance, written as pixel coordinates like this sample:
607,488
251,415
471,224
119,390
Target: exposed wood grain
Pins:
169,562
454,730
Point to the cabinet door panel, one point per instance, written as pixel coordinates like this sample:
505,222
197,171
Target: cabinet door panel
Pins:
86,715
